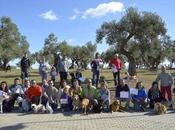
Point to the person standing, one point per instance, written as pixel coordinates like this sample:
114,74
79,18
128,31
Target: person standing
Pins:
43,69
25,65
63,68
96,66
116,65
166,82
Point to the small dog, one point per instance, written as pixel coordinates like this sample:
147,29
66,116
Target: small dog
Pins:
116,107
76,102
85,105
38,108
99,107
159,108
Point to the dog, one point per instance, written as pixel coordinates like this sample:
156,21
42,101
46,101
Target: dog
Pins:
38,108
159,108
116,107
76,102
85,105
99,107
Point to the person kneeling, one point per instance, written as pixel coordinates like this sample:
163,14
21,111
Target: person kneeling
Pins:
66,101
104,95
140,100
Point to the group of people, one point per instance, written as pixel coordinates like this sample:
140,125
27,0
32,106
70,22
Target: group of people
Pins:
141,98
53,97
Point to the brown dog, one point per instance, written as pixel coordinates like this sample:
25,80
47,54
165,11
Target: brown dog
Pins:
76,102
116,107
160,108
85,105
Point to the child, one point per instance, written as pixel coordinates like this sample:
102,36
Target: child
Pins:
78,75
53,73
104,94
66,101
141,99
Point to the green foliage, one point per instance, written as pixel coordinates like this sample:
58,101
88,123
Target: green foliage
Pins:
12,43
133,35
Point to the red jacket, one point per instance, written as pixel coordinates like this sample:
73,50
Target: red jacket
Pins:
117,62
33,91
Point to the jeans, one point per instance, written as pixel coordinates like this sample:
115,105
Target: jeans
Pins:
95,77
43,75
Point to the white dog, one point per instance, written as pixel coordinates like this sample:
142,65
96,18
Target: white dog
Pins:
38,108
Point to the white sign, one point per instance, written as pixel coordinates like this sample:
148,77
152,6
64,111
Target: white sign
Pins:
82,79
104,97
114,69
133,91
64,101
1,93
124,94
54,73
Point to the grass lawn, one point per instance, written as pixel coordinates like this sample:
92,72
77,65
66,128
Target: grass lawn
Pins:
143,75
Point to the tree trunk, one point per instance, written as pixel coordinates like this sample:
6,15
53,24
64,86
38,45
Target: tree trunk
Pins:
5,62
132,62
132,68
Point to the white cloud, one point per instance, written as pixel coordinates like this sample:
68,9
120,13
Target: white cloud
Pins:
74,17
76,14
49,15
103,9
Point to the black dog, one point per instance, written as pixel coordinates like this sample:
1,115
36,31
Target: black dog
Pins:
99,107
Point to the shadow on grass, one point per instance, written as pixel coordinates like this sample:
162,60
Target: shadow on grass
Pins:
13,127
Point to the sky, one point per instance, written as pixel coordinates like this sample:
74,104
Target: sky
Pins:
76,21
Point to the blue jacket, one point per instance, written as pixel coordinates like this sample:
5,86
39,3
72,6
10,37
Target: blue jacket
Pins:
141,94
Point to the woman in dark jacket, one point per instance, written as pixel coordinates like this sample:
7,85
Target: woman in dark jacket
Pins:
154,94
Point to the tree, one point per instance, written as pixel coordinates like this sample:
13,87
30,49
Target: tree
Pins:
87,53
50,48
12,44
133,26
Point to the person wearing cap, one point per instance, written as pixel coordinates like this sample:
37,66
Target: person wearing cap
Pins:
96,66
115,64
166,82
104,94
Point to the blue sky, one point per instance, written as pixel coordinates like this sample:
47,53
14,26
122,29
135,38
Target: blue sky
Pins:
76,20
